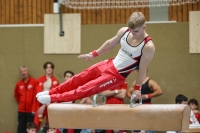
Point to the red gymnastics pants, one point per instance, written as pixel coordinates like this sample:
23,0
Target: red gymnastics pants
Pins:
97,78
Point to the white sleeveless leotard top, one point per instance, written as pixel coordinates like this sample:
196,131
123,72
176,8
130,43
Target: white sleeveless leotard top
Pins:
128,57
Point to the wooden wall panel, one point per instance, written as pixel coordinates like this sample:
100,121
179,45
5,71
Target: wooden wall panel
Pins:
32,12
0,12
65,9
21,14
108,16
89,16
47,6
122,16
7,14
16,10
84,16
128,13
175,12
170,13
29,10
118,16
198,7
142,10
146,12
3,11
43,7
180,13
185,13
103,14
75,10
98,16
12,11
26,11
51,6
94,16
194,6
194,32
112,16
72,29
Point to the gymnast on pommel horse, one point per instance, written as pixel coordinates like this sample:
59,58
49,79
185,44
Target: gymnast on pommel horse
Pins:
137,50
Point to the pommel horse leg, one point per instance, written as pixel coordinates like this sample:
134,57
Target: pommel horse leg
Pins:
157,117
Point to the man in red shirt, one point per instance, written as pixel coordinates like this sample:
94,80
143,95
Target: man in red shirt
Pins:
45,83
25,91
116,95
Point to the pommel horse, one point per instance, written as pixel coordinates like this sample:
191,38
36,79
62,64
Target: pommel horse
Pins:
156,117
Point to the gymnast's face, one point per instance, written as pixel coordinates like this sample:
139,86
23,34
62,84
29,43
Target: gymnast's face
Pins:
49,69
138,32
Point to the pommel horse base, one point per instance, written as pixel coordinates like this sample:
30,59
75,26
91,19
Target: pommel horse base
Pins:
163,117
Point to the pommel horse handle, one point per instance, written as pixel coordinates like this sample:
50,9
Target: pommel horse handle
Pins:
132,104
95,100
132,101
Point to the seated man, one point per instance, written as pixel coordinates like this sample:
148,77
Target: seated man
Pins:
181,99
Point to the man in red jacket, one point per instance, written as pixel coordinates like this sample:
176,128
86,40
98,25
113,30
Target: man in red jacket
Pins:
25,91
45,83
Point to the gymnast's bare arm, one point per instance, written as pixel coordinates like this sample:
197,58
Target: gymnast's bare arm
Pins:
107,46
147,55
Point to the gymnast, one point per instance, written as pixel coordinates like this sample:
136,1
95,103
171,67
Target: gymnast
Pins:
137,50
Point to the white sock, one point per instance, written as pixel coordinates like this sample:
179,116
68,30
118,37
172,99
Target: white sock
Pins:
42,93
44,99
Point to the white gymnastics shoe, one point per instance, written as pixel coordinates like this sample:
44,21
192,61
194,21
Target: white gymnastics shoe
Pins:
42,93
44,99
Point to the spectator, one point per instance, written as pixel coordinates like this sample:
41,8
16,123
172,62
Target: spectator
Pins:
31,127
181,99
68,74
150,89
47,129
193,103
45,83
25,91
